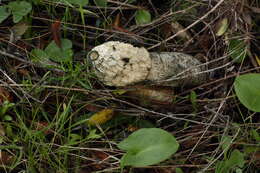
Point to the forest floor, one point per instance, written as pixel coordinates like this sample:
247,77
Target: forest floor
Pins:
48,91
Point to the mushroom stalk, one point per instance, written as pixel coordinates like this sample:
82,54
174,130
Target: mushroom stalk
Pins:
175,69
121,64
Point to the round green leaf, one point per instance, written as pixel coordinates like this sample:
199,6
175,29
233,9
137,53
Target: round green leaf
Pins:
142,17
4,13
147,146
247,88
63,54
19,9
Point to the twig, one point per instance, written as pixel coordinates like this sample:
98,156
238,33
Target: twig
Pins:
188,27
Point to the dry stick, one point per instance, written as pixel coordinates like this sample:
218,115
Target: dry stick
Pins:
218,80
210,124
216,159
27,62
7,85
191,25
15,57
162,114
24,92
94,28
161,20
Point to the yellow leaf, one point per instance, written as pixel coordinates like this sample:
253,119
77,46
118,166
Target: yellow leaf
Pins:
257,60
101,117
222,27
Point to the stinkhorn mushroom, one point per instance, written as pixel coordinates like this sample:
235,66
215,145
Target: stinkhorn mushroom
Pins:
121,64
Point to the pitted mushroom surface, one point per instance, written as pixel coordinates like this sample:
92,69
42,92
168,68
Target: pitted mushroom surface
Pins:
120,64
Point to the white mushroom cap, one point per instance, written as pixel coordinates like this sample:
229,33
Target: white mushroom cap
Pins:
120,64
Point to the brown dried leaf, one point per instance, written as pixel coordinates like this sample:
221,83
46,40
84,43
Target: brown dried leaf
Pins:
99,155
92,108
5,95
55,30
41,125
166,30
132,128
205,42
5,158
117,21
173,28
23,72
178,27
152,95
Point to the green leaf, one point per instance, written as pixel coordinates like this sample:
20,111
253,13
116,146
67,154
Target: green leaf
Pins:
178,170
225,142
247,88
40,57
193,99
101,3
7,118
255,135
251,149
147,146
4,13
19,9
93,134
235,160
63,54
77,2
142,17
222,27
237,50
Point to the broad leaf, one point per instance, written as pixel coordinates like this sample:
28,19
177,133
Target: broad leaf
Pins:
4,13
19,9
40,57
225,142
147,146
101,3
237,50
235,160
63,54
142,17
247,88
255,135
